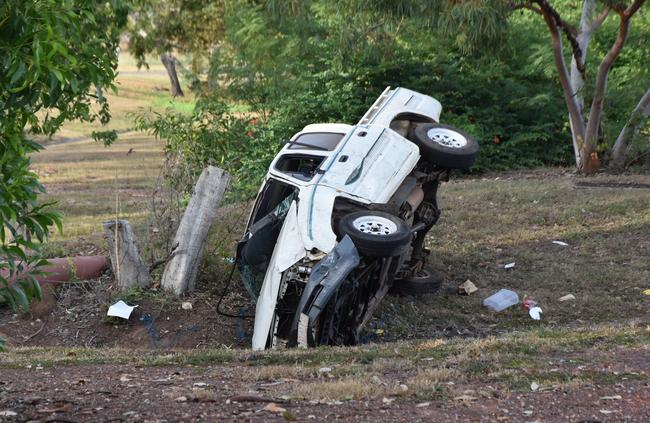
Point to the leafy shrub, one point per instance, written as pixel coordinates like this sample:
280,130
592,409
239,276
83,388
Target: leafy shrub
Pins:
330,67
57,58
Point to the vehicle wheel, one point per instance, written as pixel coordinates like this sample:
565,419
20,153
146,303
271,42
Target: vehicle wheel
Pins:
376,234
427,281
446,146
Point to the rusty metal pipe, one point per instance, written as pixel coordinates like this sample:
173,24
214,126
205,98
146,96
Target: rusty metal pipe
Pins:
69,269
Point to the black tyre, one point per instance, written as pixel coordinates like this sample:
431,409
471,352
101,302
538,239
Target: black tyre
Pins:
445,146
427,281
376,234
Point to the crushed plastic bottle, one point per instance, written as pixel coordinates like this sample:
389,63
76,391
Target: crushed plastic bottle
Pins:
501,300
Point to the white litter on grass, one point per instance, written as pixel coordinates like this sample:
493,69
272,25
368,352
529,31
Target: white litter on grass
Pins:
567,297
534,386
186,305
8,413
509,265
611,398
562,243
535,313
120,309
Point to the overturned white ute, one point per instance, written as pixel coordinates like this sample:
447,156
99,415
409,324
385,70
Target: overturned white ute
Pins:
341,219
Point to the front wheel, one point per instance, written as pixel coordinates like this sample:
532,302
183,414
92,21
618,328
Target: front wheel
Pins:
376,234
446,146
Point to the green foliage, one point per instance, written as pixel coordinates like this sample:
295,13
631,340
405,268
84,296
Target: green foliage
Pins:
209,135
57,57
288,64
192,27
330,64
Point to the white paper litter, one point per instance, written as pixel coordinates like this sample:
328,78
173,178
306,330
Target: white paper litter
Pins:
509,265
567,297
8,413
120,309
535,313
562,243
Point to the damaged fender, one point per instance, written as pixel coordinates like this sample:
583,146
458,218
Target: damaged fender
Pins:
326,277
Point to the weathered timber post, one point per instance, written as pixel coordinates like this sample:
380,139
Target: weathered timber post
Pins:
128,267
181,269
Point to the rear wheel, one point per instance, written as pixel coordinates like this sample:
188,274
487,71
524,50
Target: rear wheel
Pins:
426,281
446,146
376,234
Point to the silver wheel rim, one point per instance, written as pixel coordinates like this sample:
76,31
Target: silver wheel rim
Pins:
374,225
447,137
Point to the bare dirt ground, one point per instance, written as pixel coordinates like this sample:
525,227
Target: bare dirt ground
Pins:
121,393
596,380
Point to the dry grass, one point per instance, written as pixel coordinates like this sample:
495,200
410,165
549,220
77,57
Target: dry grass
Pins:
431,382
274,372
137,91
349,388
474,367
85,178
492,221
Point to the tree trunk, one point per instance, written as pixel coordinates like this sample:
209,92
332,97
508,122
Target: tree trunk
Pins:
180,272
169,62
630,130
588,25
576,118
592,162
128,267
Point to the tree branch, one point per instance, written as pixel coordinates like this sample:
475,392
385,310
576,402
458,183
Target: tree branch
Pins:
633,8
159,263
575,114
568,30
623,142
527,6
598,21
603,72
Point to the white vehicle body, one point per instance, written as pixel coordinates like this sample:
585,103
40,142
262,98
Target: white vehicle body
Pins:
367,165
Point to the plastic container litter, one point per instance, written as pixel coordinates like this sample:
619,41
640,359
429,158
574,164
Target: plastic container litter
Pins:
501,300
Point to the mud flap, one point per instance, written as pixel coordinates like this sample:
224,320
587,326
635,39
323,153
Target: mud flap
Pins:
326,277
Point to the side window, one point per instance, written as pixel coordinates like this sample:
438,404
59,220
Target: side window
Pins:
326,141
299,166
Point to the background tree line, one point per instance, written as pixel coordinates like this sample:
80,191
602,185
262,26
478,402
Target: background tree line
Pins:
516,74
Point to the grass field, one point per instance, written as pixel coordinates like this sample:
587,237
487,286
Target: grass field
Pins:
87,179
499,219
136,91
